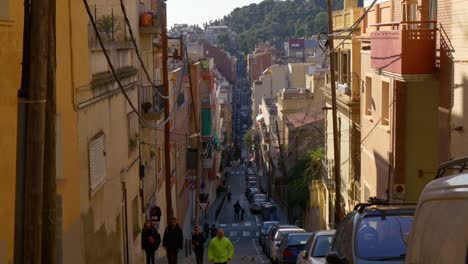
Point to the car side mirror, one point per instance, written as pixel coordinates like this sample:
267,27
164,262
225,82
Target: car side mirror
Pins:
333,258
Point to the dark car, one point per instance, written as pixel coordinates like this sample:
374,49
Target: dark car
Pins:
270,237
263,230
374,232
290,247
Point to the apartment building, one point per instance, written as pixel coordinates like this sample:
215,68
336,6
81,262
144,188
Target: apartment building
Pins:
400,100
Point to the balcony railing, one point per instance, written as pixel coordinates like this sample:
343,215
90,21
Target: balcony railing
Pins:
151,20
151,103
408,48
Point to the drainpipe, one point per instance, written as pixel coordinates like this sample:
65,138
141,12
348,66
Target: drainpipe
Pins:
21,142
392,142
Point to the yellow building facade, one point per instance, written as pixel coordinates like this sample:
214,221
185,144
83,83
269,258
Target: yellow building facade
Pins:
11,37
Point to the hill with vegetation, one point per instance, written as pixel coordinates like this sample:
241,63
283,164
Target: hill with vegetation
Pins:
275,20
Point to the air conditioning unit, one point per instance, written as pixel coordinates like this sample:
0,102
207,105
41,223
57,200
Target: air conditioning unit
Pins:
343,88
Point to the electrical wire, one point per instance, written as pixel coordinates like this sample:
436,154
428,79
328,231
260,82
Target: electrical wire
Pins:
307,111
137,51
354,26
114,73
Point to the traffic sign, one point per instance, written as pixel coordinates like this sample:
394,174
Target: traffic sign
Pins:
203,206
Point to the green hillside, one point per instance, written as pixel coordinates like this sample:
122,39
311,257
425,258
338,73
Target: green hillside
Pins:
275,20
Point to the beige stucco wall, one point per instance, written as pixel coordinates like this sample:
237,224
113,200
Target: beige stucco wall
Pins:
344,130
421,158
375,138
271,84
10,80
297,74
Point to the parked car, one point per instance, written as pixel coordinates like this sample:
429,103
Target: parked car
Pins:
290,246
260,196
440,229
251,178
373,232
280,233
252,184
256,205
271,235
263,230
317,248
269,211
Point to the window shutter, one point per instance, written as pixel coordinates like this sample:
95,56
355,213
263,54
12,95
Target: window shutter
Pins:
97,163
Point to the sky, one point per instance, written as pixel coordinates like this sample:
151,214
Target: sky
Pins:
201,11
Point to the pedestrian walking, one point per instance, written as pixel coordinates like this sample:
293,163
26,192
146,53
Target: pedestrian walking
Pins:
150,241
242,214
213,231
206,229
237,208
198,242
173,241
229,195
220,249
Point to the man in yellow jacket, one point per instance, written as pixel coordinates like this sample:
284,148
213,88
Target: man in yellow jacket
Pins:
220,249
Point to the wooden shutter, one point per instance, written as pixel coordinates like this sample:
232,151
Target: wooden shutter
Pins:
97,162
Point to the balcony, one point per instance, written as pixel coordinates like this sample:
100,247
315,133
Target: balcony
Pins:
149,23
151,103
407,48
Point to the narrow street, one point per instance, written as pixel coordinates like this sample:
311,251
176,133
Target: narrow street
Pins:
243,234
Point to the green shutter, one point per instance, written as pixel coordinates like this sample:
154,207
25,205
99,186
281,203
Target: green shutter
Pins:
206,122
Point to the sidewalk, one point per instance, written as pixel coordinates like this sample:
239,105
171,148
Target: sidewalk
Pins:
190,259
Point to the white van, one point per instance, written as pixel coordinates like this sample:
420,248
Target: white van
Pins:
440,229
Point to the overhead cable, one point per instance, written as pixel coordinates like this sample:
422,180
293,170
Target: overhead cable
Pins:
124,11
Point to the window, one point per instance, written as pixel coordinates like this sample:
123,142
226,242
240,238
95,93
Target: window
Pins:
383,237
385,103
4,9
322,246
335,58
97,162
368,104
344,68
132,130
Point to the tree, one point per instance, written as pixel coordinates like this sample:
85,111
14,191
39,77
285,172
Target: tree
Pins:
223,40
273,20
249,139
305,170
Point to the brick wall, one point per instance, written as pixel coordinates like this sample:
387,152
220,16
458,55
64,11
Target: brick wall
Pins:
222,61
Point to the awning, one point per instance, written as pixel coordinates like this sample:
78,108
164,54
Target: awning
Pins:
259,117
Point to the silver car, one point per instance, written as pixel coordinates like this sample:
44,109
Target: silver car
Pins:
317,248
271,236
280,233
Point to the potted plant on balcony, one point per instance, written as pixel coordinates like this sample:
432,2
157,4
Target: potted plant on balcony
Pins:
146,106
146,19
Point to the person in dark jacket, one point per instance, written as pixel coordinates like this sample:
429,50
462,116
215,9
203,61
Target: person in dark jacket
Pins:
198,242
237,208
206,229
213,231
150,240
173,241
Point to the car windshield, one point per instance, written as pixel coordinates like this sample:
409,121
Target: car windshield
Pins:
383,237
322,246
281,234
300,239
266,226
